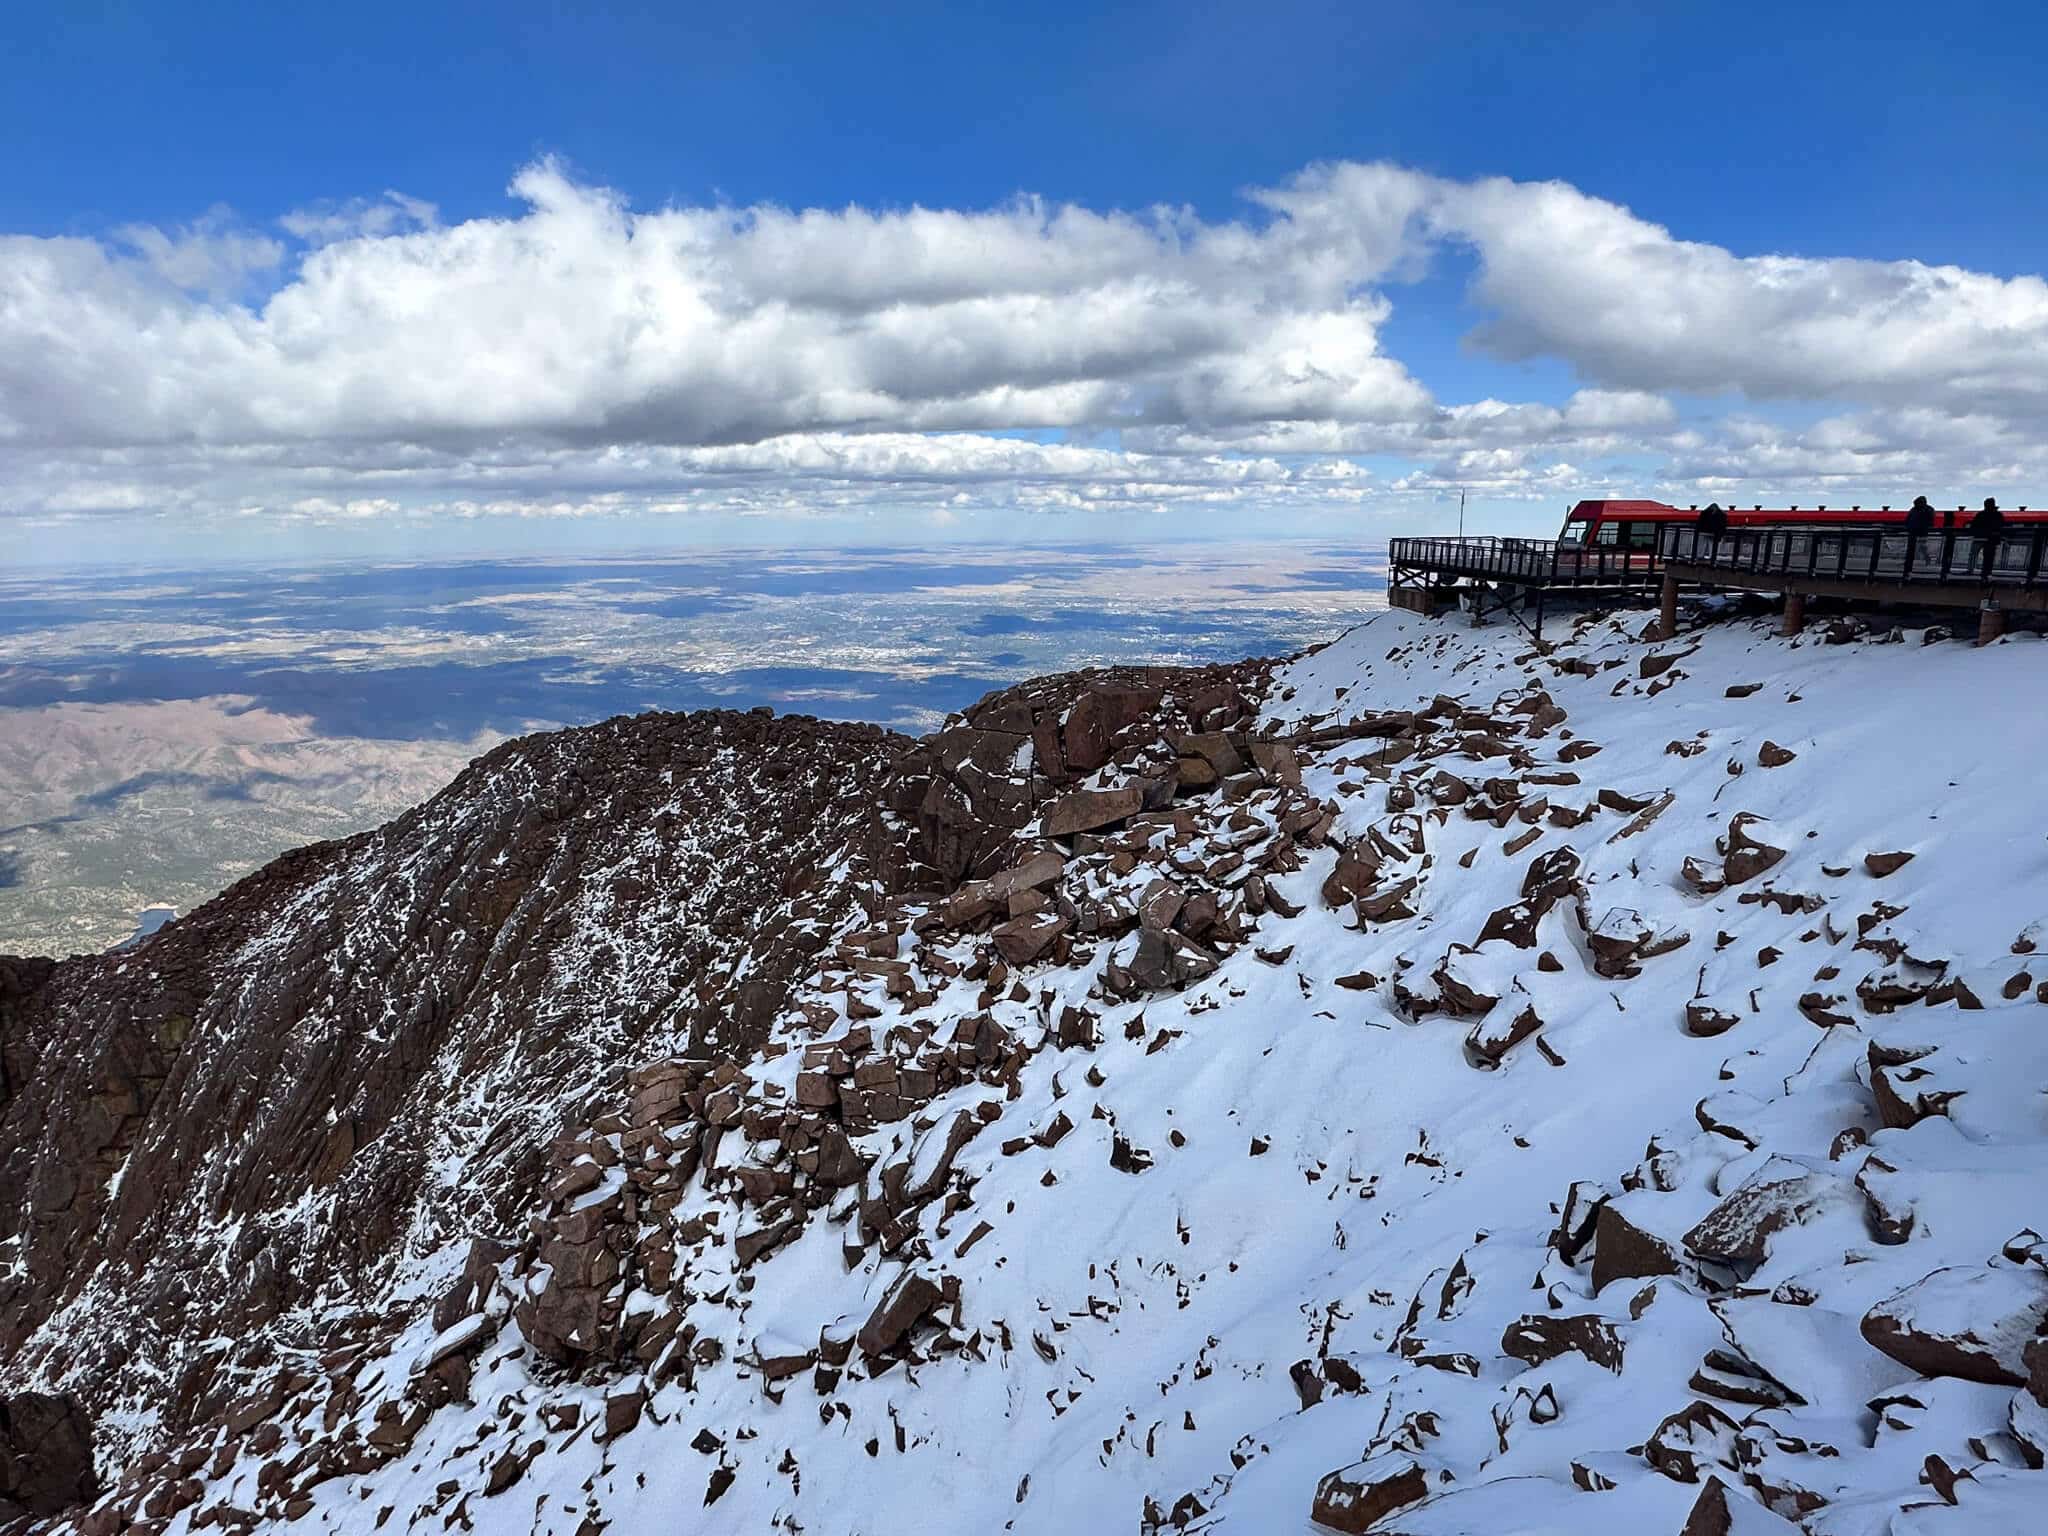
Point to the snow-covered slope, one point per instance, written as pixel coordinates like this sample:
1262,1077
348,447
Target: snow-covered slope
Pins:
1603,1091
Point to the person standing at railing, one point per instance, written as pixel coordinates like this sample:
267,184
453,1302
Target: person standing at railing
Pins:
1919,524
1986,527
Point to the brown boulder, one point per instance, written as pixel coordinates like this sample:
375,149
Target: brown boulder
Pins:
1096,719
1357,872
816,1090
839,1164
1689,1441
1746,854
1624,1251
1087,810
1277,762
907,1302
1462,997
1387,905
1975,1324
622,1412
1623,936
1214,748
1537,1338
1706,1021
1160,904
1515,925
1353,1499
1881,864
1737,1231
1550,877
45,1453
1035,873
1023,939
1488,1042
1703,875
1164,961
750,1246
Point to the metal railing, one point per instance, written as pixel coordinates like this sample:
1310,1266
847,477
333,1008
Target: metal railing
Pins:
1530,562
1884,556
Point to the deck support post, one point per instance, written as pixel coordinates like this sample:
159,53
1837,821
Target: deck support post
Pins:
1990,621
1795,614
1667,610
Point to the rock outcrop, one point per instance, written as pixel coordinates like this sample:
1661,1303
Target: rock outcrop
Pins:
46,1464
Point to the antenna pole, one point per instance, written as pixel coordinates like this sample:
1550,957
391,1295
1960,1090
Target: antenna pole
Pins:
1461,514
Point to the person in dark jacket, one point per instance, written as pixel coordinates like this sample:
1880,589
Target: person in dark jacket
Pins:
1919,523
1713,522
1986,527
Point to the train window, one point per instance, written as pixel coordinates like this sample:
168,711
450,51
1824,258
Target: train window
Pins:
1641,535
1574,533
1610,533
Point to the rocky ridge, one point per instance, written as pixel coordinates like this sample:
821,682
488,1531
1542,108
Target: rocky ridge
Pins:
1387,1089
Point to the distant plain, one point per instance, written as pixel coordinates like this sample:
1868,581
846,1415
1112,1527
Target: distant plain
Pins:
164,733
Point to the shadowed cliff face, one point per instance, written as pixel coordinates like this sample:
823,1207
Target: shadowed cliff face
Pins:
365,1048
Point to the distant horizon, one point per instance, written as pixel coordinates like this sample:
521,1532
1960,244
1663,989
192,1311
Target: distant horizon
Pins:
567,554
164,729
648,275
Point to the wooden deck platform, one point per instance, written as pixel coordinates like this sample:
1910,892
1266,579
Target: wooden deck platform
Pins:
1879,565
1870,564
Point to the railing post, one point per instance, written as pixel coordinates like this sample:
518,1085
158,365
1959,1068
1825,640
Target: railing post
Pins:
1795,614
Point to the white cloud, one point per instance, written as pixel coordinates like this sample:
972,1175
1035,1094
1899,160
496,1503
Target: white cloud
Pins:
212,256
1632,307
359,218
580,357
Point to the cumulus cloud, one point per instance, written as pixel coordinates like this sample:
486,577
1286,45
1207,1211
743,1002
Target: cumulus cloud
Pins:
579,356
584,321
1632,307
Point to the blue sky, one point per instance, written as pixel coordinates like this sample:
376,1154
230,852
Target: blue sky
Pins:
184,178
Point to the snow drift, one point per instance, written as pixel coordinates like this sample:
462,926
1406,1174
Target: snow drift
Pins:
1431,1087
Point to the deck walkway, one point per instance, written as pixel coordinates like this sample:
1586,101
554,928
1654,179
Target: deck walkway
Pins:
1878,565
1520,562
1868,564
1513,574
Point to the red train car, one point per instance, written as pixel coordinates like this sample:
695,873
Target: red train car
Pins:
1634,524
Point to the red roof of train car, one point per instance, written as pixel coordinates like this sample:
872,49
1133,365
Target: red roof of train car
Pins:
1643,511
